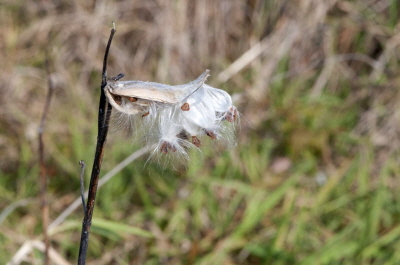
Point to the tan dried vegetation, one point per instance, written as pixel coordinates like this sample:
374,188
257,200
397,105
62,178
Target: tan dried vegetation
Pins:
314,178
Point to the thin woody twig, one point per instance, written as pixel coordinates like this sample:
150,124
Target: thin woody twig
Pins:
73,206
103,122
43,173
83,166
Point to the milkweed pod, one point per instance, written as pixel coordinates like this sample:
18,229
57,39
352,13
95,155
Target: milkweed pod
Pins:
146,92
173,116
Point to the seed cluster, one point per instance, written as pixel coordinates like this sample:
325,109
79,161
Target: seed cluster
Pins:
174,117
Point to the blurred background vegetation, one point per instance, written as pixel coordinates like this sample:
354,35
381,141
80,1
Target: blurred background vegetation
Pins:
314,178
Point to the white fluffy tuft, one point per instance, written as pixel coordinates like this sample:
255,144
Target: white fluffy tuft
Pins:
176,127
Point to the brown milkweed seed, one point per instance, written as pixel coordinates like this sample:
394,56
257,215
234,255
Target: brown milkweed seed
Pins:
185,107
196,141
147,113
211,134
117,99
183,135
132,99
165,147
231,115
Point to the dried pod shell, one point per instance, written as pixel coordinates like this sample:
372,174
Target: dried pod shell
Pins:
151,91
176,114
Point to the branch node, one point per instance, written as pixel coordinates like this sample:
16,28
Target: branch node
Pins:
116,78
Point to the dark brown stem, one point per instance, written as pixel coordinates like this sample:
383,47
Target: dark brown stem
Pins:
43,173
103,122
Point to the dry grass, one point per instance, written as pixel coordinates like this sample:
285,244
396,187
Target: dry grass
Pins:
313,180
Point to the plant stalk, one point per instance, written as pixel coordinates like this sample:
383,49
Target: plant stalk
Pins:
103,123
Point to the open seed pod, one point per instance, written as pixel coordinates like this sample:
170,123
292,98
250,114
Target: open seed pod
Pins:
167,113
